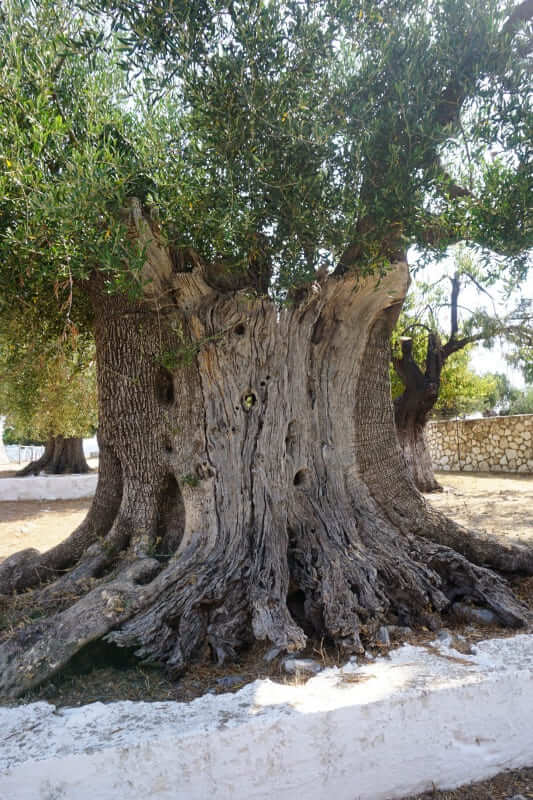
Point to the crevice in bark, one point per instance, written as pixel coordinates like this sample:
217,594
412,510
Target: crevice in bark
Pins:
165,387
171,519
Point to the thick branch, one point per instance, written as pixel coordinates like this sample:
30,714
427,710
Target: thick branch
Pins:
434,362
406,367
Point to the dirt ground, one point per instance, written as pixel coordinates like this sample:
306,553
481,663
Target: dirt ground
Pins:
495,503
499,503
38,523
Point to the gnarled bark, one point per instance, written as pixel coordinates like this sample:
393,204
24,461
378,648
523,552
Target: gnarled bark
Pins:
62,455
412,409
250,500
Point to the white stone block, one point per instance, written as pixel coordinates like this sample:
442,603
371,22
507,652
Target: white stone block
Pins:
48,487
397,726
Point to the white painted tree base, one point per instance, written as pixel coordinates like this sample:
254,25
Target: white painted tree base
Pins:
48,487
396,726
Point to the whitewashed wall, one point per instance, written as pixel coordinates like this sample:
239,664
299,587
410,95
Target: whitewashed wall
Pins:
400,725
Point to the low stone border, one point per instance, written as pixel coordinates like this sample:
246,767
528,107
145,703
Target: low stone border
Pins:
48,487
419,718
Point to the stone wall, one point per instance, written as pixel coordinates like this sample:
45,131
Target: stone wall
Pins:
494,444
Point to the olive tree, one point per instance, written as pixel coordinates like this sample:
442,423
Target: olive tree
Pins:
232,198
425,351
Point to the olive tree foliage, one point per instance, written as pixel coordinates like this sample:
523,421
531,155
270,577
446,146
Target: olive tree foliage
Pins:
507,399
47,381
225,193
317,134
521,403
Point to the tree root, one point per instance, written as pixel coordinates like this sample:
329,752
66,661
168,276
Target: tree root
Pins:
42,648
205,601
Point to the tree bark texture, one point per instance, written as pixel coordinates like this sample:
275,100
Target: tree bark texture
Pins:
62,455
242,497
412,409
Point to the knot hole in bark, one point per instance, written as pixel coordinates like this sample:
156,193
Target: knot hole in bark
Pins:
248,401
164,387
302,479
240,329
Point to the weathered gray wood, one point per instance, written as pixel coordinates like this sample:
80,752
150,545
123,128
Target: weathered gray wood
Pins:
251,466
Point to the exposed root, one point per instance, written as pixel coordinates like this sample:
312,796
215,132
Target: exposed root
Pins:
204,602
41,649
465,580
483,549
29,567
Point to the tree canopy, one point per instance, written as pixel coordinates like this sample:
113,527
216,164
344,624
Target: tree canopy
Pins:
48,385
271,138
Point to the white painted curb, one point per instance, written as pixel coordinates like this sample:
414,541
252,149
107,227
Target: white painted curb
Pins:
394,727
48,487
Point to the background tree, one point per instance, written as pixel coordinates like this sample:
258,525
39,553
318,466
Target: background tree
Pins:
521,402
420,368
462,391
234,218
47,389
501,394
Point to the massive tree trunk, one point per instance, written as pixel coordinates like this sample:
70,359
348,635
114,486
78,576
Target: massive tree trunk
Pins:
412,409
248,500
62,455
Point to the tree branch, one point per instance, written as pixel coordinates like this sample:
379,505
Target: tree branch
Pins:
456,286
406,367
